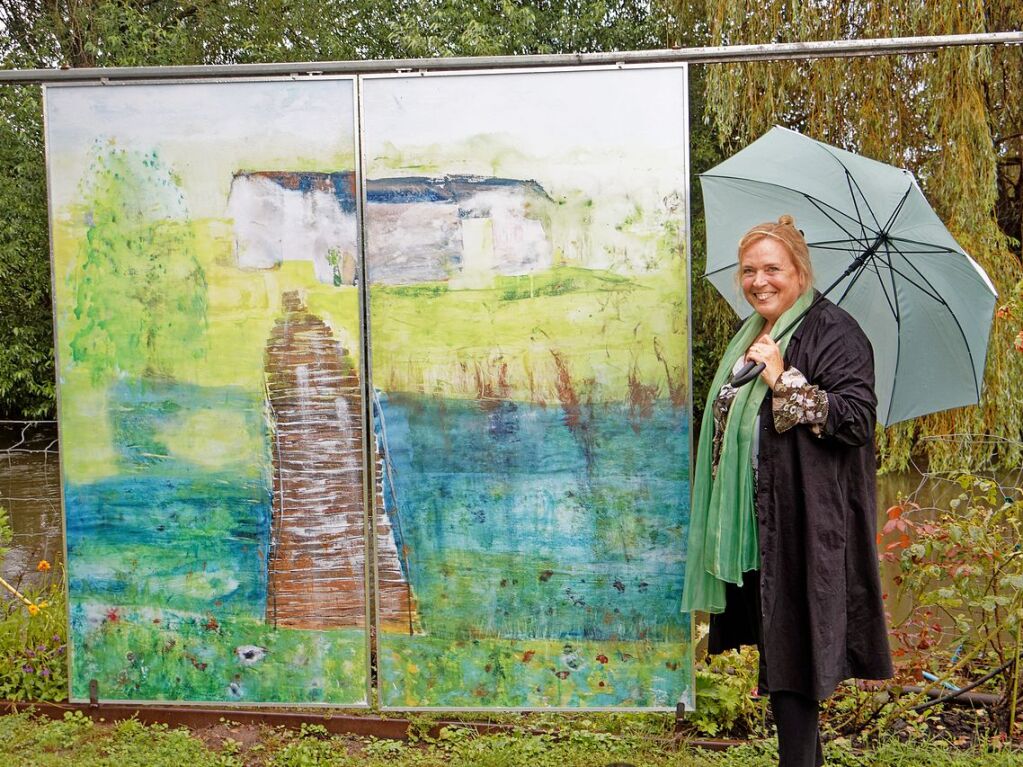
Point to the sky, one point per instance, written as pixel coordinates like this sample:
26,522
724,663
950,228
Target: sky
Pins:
605,131
205,131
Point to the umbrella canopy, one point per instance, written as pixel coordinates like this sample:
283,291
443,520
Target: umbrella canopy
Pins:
923,302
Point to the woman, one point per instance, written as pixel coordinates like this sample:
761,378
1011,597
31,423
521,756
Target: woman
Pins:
782,531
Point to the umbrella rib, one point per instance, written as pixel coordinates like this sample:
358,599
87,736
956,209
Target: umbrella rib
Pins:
851,283
933,292
898,209
838,242
929,293
884,288
936,248
927,252
725,268
813,200
898,332
818,246
817,204
852,194
907,252
852,182
955,319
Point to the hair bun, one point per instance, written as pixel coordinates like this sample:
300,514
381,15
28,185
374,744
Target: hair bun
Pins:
786,220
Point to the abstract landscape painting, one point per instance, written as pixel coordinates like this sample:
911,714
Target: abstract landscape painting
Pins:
528,325
210,400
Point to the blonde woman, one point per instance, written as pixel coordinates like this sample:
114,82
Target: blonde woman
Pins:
782,533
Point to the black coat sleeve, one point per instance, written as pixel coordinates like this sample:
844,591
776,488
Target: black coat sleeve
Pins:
844,368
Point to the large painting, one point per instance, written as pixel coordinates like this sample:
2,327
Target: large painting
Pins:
205,261
528,325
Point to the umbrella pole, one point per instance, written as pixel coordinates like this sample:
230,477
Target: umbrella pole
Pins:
751,370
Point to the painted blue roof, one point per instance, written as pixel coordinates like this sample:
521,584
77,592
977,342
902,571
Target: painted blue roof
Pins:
398,190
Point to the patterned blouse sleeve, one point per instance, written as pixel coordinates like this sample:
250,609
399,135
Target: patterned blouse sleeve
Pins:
795,401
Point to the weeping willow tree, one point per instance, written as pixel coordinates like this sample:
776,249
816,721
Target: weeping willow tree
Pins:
953,117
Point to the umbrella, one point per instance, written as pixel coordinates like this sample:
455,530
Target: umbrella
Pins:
880,249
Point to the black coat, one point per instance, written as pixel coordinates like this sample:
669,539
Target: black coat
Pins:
820,589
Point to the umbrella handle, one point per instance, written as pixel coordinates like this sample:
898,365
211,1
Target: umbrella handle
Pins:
748,373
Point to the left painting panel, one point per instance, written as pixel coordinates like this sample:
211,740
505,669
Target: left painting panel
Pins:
205,252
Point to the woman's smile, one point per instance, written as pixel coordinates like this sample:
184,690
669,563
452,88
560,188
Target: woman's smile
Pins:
770,280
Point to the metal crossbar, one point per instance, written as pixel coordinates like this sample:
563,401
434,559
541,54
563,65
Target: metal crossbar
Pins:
827,49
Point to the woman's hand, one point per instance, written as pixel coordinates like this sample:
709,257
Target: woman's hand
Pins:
765,350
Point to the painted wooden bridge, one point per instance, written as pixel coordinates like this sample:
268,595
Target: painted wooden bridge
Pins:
317,567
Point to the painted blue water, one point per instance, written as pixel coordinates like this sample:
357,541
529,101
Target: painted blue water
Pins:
515,523
166,532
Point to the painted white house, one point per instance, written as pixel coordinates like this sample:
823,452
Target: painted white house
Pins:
463,229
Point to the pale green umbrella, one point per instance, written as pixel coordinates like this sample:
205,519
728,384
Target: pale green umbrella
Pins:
875,241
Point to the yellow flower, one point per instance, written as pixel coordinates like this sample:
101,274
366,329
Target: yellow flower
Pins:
33,610
43,566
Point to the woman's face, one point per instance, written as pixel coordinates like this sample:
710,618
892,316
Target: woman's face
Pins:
769,278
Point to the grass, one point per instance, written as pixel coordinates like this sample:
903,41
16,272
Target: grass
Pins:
77,741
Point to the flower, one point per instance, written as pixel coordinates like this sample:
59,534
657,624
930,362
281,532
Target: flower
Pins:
43,566
33,609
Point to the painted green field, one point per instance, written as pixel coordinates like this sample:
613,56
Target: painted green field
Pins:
200,658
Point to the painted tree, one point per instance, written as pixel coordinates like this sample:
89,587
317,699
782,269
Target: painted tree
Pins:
86,33
954,117
141,294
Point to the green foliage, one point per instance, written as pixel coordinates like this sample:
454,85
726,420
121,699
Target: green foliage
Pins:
26,332
76,742
141,293
724,703
961,565
6,533
33,647
952,117
33,640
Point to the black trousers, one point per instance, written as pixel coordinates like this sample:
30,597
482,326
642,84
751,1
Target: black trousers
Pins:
796,716
798,721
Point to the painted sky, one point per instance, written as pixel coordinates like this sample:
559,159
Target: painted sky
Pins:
570,128
276,125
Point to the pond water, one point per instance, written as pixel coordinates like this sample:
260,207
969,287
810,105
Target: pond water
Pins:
30,491
517,520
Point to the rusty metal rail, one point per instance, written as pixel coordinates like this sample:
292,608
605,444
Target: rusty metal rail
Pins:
367,725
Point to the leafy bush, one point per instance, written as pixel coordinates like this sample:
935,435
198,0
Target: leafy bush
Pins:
33,636
961,564
724,687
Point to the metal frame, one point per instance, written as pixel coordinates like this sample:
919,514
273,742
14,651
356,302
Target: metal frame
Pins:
57,387
685,185
689,342
352,70
703,55
227,704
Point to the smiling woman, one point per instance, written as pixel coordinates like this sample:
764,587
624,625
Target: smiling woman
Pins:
774,268
781,548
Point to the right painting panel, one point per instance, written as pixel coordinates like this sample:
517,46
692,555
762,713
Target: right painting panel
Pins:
525,262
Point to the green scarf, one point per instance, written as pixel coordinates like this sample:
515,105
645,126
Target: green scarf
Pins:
722,526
